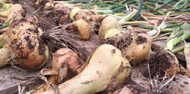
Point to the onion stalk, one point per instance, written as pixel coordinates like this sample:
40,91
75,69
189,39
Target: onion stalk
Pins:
103,71
174,41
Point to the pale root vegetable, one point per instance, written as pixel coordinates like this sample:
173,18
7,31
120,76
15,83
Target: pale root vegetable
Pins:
11,8
26,46
109,22
102,72
163,62
65,64
62,12
77,13
139,48
80,28
134,46
4,50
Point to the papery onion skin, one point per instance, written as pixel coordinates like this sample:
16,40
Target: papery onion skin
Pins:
62,12
109,22
139,48
65,57
13,8
4,51
84,28
101,72
26,46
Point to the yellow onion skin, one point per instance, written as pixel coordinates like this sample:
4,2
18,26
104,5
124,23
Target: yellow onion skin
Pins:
109,22
102,72
62,12
26,46
77,14
13,8
65,60
84,29
4,51
139,48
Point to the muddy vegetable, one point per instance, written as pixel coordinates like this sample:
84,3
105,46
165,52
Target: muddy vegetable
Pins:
80,28
65,64
77,13
109,22
8,9
103,71
26,46
62,12
4,50
163,61
134,46
139,48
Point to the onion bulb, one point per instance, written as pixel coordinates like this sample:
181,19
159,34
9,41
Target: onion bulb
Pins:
80,29
26,46
109,22
65,64
139,48
9,9
77,13
102,72
62,12
163,61
4,50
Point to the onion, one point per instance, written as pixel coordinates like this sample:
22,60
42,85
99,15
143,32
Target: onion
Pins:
4,50
139,48
163,61
77,13
11,8
26,46
135,46
65,64
62,12
80,29
109,22
65,61
103,71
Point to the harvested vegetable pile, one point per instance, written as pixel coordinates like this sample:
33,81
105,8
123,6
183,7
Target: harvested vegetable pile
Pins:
95,47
